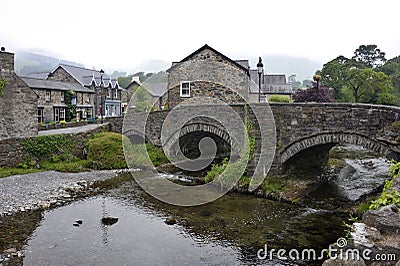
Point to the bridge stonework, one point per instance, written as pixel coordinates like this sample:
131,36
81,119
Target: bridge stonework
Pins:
301,126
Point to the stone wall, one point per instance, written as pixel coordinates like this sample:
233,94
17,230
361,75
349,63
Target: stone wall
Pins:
61,75
300,126
207,66
11,150
18,104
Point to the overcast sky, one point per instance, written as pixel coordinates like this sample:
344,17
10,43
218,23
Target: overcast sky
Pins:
121,35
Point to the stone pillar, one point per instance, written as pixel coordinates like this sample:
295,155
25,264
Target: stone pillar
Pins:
6,61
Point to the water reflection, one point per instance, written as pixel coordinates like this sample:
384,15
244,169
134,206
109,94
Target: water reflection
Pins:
227,231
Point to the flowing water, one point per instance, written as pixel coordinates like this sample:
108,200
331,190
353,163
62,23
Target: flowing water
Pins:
228,231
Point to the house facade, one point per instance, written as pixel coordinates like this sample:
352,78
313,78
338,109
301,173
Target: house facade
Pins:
57,98
207,73
107,100
18,103
271,84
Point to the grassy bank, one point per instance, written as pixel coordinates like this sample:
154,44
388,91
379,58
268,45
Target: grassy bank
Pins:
55,152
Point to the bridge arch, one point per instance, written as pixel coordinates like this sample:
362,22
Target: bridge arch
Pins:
336,138
206,128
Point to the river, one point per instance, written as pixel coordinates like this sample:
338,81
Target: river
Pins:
228,231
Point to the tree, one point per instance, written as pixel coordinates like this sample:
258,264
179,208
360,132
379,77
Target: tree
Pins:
313,94
368,86
141,99
392,69
369,55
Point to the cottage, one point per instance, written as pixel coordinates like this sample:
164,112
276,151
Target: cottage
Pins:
207,72
61,100
271,84
107,101
18,103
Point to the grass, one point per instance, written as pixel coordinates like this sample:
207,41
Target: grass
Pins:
105,151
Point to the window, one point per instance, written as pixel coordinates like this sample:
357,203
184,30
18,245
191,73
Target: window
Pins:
57,115
40,115
263,98
109,93
116,94
48,95
62,114
185,89
62,96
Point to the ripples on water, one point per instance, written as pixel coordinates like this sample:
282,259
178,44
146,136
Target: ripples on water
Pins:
228,231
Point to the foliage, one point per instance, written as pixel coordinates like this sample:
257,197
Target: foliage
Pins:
63,122
334,74
313,95
279,98
105,151
156,155
388,197
44,147
141,99
70,111
216,170
368,86
369,55
392,69
3,83
273,184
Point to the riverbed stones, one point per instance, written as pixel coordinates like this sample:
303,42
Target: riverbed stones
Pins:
343,262
386,219
109,220
170,221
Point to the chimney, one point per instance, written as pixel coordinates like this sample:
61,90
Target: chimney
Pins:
6,61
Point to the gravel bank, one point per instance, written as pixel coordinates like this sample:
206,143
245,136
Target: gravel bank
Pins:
40,190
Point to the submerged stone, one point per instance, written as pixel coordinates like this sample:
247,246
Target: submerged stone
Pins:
109,220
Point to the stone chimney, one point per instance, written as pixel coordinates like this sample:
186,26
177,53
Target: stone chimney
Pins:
6,61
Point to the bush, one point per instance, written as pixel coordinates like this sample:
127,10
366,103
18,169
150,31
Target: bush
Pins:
388,198
279,98
63,122
44,147
105,151
52,123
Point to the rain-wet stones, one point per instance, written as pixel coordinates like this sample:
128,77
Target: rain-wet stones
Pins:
170,221
109,220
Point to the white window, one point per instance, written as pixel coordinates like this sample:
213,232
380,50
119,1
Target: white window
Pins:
57,115
109,93
185,89
40,115
263,98
62,96
48,95
62,114
116,94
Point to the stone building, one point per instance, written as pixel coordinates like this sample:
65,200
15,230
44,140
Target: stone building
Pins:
207,72
18,103
271,84
107,100
53,103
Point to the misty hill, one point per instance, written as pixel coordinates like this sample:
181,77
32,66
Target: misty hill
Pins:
27,63
284,64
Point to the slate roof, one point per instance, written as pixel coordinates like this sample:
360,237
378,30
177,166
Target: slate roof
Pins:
156,89
35,83
42,75
86,76
206,46
271,83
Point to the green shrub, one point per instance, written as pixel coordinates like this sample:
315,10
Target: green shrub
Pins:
279,98
273,184
52,123
388,198
105,151
63,122
45,147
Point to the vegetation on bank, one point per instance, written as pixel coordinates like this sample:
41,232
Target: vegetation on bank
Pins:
388,196
56,152
279,98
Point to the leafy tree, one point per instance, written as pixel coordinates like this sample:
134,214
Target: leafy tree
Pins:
70,110
307,83
392,69
334,74
366,85
124,81
141,99
369,55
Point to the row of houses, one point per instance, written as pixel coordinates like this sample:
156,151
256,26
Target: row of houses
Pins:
86,94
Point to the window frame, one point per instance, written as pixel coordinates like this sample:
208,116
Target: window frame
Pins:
47,98
181,89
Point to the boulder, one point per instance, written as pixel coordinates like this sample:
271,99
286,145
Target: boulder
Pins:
343,262
109,220
386,219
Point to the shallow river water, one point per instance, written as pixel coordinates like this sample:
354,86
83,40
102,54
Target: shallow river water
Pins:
228,231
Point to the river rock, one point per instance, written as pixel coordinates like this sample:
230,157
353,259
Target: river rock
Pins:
10,250
386,219
170,221
343,262
109,220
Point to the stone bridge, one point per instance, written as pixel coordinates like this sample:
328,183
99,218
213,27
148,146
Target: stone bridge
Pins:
300,128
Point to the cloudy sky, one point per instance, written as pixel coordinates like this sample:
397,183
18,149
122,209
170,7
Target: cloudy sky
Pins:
125,34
